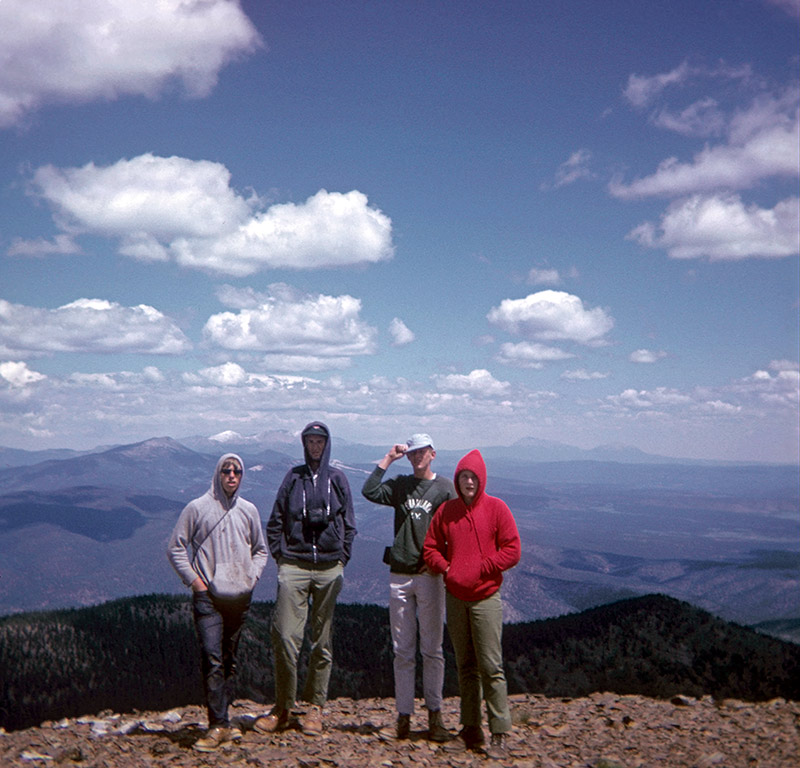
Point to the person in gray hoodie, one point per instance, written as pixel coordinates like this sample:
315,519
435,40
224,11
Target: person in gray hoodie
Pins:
218,550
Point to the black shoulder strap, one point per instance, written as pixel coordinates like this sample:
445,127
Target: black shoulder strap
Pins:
211,530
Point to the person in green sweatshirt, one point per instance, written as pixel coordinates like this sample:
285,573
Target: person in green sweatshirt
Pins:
416,594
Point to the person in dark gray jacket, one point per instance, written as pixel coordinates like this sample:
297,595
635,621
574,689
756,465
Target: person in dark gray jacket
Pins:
218,550
310,534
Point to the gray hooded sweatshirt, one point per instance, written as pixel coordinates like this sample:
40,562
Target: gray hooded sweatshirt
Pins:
219,539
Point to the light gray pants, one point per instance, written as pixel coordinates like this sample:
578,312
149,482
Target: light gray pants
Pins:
417,598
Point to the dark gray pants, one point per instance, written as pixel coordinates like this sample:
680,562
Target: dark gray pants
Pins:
219,625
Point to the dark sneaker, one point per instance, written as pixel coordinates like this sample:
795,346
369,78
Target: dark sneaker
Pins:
436,730
217,737
275,721
498,747
311,722
403,726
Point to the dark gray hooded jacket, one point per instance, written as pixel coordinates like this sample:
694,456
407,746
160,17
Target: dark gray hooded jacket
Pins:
312,520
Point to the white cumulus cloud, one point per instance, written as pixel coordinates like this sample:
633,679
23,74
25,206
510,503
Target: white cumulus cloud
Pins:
76,51
528,354
581,374
552,316
646,356
326,328
479,381
544,276
161,208
226,375
331,229
781,389
724,228
656,399
147,196
763,141
17,374
401,334
88,325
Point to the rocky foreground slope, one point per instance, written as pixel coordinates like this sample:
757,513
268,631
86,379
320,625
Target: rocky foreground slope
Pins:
598,731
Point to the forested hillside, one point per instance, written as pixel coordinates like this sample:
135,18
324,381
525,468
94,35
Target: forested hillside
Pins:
141,653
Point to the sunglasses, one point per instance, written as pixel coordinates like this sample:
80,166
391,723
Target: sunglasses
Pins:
227,471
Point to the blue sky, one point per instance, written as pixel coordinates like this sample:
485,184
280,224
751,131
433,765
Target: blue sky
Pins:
490,221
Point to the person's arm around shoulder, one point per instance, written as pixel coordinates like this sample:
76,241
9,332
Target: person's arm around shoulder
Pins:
374,488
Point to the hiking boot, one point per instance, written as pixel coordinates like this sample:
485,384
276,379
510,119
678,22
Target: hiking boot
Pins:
436,730
498,747
403,726
470,737
275,721
215,738
311,722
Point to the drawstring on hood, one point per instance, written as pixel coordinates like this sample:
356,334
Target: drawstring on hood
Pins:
312,519
219,539
316,492
316,485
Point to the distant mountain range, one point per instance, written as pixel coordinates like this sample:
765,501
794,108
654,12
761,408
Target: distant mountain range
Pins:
140,653
81,528
526,450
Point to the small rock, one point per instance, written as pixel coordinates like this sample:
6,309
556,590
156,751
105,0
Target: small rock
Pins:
75,754
31,755
717,758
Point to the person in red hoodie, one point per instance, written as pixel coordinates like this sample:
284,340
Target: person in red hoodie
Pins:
472,540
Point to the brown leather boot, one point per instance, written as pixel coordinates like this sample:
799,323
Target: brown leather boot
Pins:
498,747
275,721
436,730
311,722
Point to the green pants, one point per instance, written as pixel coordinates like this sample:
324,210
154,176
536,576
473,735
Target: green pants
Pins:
476,631
299,586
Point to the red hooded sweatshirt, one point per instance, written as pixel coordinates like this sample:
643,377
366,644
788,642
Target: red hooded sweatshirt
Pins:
472,545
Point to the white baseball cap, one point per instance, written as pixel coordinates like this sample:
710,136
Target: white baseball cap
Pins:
420,440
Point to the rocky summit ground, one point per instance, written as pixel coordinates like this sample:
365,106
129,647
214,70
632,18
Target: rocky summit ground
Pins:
598,731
